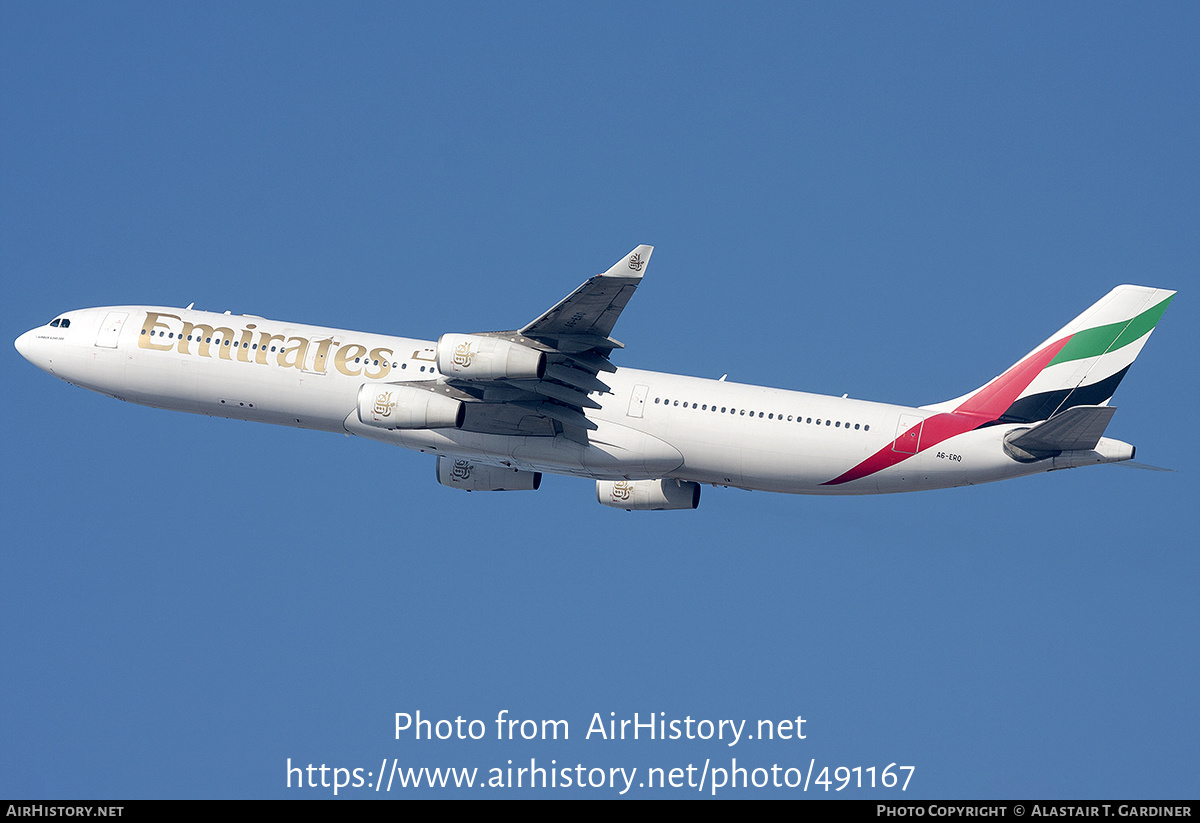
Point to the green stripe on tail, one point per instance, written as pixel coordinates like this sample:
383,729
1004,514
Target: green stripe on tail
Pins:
1104,339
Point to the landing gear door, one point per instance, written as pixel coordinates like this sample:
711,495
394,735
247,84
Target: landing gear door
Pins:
908,434
637,403
110,330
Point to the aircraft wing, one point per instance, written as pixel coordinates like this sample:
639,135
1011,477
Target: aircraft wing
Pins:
575,337
587,315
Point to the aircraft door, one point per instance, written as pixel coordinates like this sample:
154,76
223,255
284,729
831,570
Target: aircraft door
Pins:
637,403
110,330
908,434
317,356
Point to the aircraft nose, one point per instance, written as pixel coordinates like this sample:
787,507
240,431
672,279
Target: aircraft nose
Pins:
24,345
33,349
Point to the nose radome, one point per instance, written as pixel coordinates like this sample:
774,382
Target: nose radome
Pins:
24,345
34,350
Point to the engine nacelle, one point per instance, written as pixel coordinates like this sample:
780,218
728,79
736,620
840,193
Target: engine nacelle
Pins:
392,406
480,477
648,495
474,357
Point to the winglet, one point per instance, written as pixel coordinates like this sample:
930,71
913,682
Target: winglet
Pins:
632,264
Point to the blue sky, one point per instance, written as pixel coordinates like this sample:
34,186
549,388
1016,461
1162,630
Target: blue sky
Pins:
894,202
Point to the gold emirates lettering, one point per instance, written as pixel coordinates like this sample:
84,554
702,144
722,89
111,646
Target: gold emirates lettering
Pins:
198,339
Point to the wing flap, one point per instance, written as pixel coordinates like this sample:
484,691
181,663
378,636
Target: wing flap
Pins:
585,381
565,394
594,363
562,414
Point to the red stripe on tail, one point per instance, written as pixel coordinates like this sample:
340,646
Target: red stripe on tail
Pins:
981,408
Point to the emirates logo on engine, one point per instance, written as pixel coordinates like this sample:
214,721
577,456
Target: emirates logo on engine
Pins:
463,355
384,404
622,490
461,470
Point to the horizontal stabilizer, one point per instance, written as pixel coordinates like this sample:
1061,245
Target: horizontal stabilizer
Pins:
1076,428
1133,464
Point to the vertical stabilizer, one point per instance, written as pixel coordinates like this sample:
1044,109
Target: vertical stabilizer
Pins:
1079,365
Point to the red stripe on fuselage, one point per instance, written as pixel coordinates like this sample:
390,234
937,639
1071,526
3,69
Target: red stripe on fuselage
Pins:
981,408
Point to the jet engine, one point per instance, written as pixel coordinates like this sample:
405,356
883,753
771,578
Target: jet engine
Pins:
396,406
480,477
648,495
475,357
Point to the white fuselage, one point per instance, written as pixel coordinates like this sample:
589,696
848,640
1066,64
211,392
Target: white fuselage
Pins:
650,425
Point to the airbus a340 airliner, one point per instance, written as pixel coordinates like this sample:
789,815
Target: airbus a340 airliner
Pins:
498,409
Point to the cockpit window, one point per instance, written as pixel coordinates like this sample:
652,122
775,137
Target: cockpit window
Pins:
54,324
60,322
